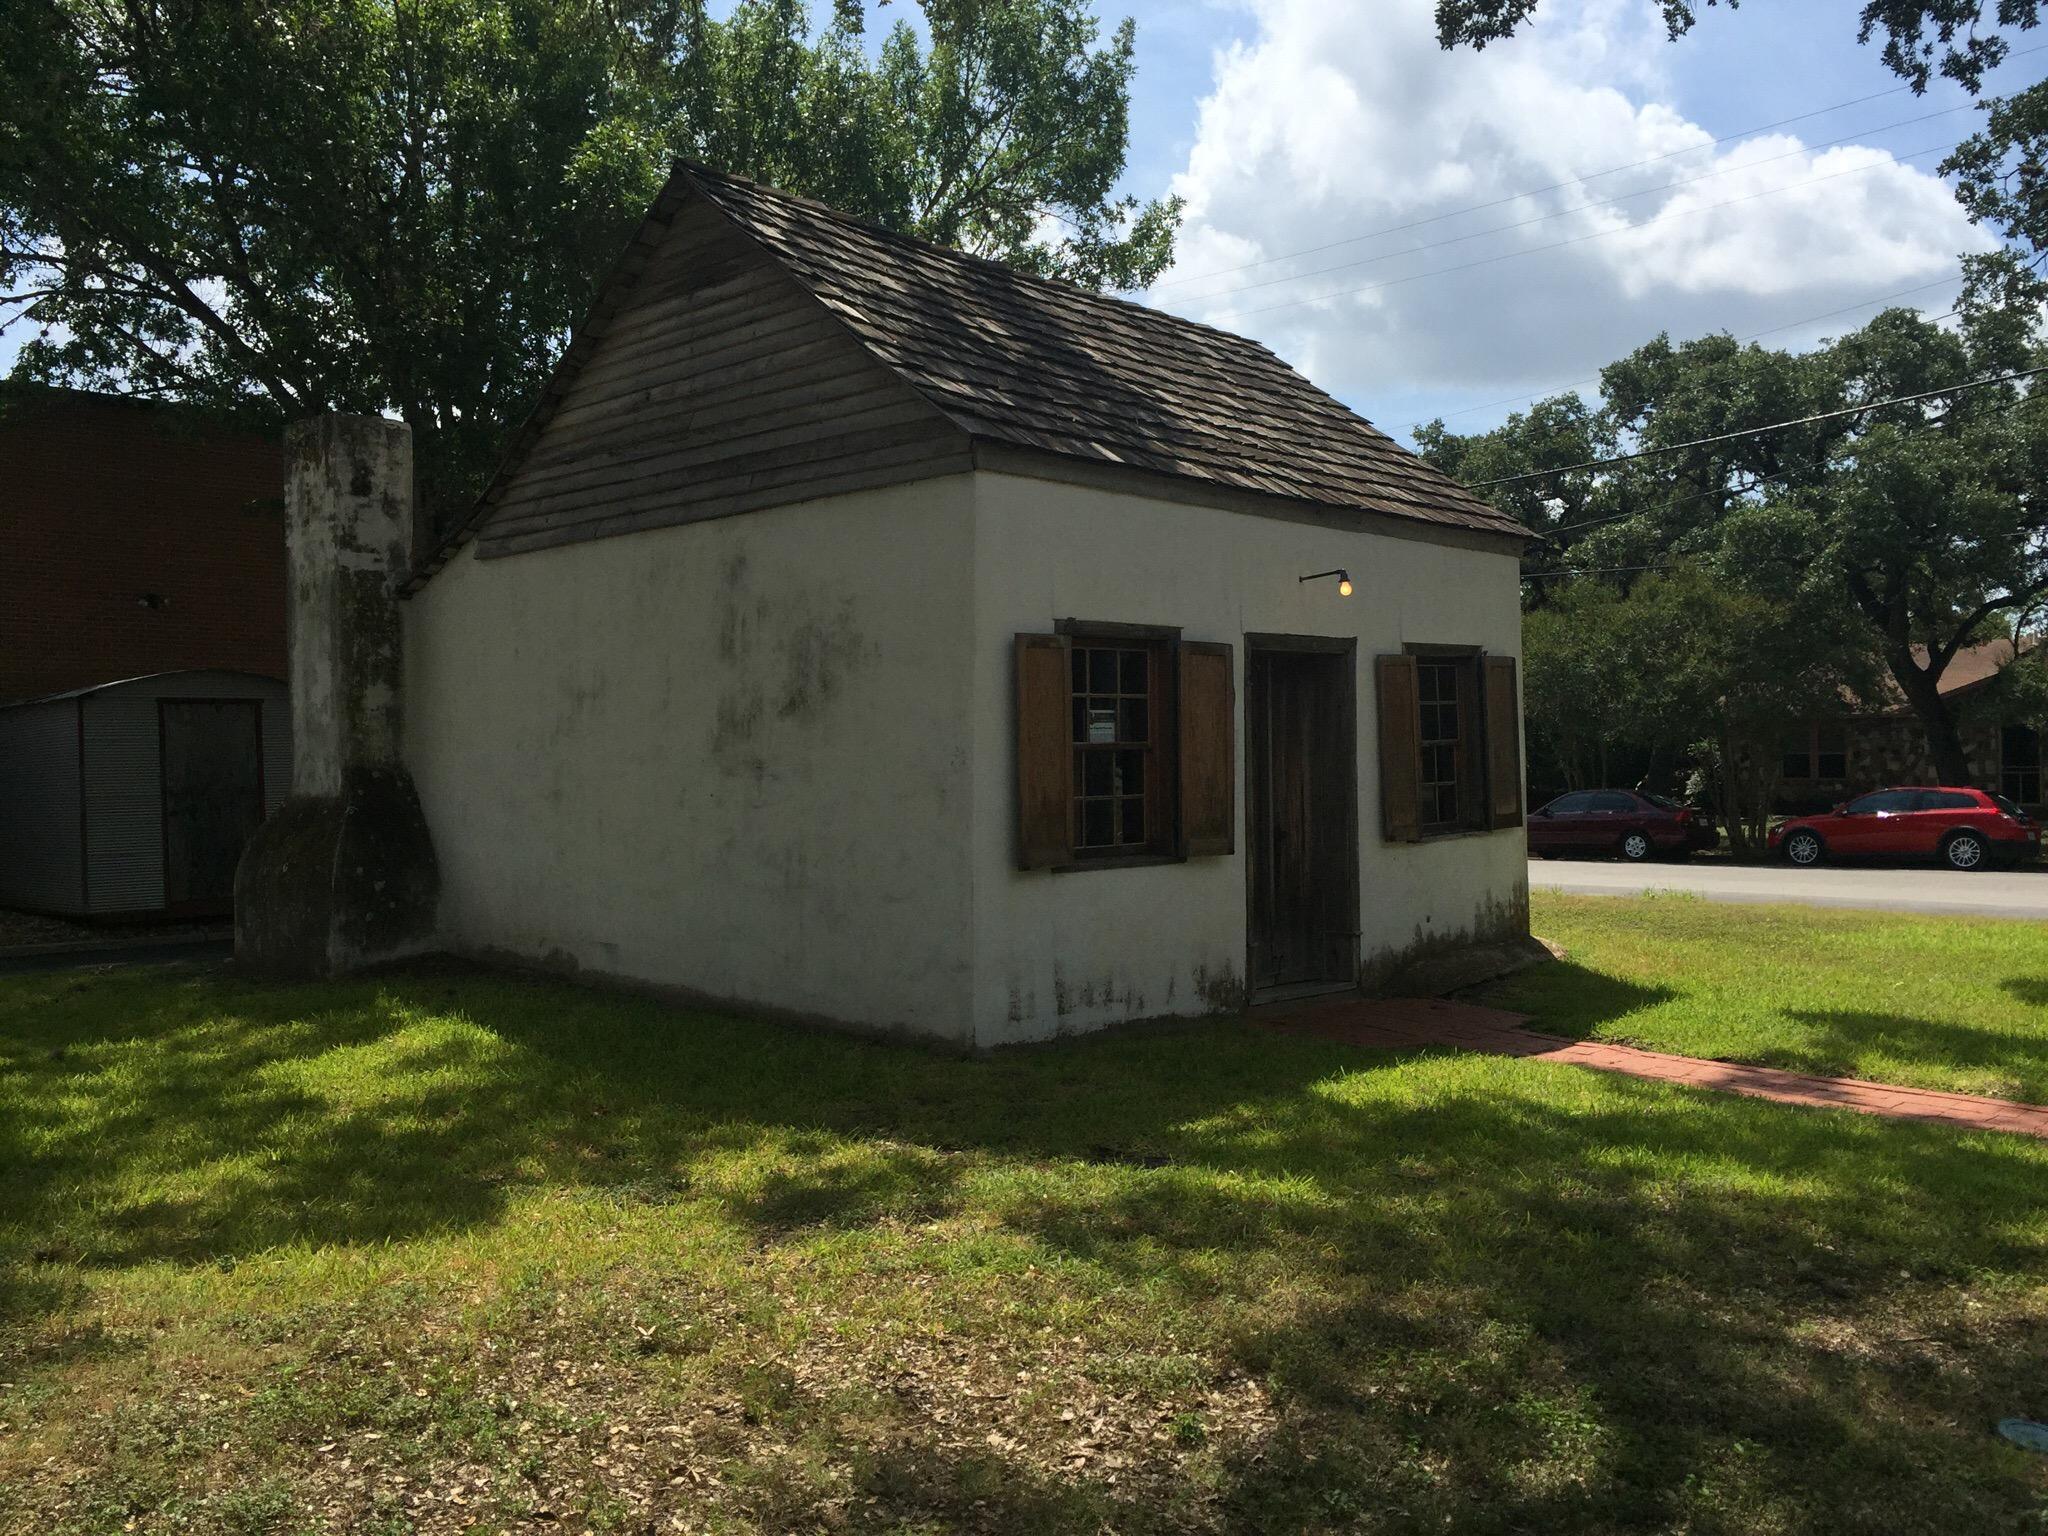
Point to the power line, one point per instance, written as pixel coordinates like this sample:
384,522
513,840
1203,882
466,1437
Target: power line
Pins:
1559,213
1776,426
1596,570
1558,245
1756,482
1615,170
1790,325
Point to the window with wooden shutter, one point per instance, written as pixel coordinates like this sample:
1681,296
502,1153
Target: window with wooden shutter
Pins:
1400,749
1126,746
1044,789
1208,749
1503,743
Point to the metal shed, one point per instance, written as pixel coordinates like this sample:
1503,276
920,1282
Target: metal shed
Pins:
134,798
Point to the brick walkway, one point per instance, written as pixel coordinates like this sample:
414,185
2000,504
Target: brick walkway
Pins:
1410,1024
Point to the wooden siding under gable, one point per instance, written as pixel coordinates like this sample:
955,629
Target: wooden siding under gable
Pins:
719,386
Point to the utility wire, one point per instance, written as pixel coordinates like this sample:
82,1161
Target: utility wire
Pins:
1596,570
1776,426
1559,213
1558,245
1790,325
1556,186
1756,482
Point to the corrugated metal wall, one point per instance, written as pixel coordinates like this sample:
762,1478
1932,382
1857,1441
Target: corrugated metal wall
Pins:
124,827
39,850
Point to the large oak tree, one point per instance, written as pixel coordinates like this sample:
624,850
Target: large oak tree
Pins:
288,206
1923,525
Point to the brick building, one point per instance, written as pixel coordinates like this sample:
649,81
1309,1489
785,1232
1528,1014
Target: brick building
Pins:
134,539
1868,746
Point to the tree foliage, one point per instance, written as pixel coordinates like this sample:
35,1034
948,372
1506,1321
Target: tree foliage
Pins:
1878,543
284,207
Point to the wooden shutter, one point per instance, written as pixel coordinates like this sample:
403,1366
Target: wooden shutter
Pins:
1503,743
1400,750
1045,756
1208,749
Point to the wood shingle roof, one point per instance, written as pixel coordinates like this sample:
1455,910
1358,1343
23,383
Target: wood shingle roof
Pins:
1040,369
1045,365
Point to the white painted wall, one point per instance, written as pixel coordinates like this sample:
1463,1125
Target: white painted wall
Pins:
1055,953
730,756
770,758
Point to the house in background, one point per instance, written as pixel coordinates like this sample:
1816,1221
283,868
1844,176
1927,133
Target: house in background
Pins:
867,632
1825,761
142,612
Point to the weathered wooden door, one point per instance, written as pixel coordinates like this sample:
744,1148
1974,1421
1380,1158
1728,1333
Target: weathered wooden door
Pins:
213,794
1301,770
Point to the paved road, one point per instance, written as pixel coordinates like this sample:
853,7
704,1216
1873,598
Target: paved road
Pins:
1986,893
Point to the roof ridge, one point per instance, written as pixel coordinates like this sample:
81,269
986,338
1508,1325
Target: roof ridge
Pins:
1081,294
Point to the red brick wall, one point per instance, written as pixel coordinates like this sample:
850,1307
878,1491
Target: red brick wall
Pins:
106,503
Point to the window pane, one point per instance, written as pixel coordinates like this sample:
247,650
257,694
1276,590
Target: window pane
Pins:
1133,727
1102,671
1101,722
1134,668
1097,823
1130,773
1831,765
1080,659
1134,820
1093,773
1080,719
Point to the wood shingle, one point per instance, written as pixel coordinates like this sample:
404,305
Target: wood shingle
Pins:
1002,357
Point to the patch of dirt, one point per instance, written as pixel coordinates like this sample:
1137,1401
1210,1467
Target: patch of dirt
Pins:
731,1421
25,929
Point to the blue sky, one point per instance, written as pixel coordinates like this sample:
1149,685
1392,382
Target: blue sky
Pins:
1295,124
1291,124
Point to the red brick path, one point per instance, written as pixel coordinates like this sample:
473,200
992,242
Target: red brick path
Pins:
1409,1024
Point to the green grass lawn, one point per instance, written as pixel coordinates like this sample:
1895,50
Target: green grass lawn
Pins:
444,1251
1954,1003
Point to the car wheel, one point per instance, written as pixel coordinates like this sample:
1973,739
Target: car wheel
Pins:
1966,850
1635,847
1803,849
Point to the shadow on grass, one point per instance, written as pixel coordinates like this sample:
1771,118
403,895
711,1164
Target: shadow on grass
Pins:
2031,990
1570,999
1551,1269
1845,1041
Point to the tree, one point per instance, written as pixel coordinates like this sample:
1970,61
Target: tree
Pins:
1924,524
1692,660
1932,515
286,207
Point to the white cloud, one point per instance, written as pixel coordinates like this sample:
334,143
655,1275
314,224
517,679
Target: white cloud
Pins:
1337,120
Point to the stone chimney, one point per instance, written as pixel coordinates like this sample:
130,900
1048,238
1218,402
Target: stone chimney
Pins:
344,875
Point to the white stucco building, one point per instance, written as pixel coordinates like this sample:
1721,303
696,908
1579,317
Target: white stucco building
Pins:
864,632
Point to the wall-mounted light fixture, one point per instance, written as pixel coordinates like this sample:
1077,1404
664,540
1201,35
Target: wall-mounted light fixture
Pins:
1343,580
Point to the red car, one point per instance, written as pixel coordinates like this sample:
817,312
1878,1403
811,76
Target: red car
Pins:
1964,828
1618,821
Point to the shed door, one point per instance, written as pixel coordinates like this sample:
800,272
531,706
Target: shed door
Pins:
213,794
1300,762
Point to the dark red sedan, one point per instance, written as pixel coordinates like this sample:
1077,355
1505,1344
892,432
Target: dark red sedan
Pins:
1964,828
1618,821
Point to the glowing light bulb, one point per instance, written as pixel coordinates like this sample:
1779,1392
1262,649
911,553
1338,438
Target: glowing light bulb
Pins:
1344,586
